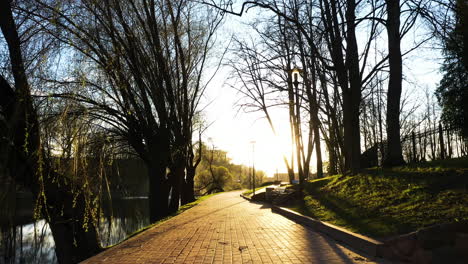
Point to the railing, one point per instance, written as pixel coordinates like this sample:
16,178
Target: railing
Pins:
430,144
421,145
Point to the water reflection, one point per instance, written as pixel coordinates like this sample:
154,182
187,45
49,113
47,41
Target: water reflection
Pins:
26,241
29,243
128,215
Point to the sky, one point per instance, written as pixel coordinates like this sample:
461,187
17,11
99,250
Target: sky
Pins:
247,137
233,130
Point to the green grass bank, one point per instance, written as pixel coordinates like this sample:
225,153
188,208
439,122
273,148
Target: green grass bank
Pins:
386,202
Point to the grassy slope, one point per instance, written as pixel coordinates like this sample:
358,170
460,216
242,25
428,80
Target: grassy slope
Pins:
383,203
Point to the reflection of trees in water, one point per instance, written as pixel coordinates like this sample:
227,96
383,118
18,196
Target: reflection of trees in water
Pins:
126,217
29,243
26,242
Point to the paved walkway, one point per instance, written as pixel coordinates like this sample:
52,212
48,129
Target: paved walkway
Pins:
229,229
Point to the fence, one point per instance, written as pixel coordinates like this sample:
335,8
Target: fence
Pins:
430,144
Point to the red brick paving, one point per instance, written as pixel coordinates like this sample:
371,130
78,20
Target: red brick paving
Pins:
229,229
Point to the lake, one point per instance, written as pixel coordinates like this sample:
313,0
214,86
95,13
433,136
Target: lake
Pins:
29,241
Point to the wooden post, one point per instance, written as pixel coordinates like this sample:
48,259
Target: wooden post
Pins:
441,141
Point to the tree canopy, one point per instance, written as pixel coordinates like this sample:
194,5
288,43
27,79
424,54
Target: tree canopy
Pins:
452,91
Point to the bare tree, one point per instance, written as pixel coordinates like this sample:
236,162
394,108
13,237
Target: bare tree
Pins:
337,24
139,71
248,69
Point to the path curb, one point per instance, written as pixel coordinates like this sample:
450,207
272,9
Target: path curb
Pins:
370,246
245,197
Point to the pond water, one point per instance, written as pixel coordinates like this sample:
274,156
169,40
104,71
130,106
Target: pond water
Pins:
31,241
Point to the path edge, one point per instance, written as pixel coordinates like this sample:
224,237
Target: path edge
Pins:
370,246
246,197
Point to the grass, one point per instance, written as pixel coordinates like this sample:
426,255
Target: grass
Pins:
386,202
183,208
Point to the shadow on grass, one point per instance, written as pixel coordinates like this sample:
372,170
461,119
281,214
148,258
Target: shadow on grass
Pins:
446,163
382,203
432,180
358,218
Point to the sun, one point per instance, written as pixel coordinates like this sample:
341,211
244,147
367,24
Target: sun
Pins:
271,150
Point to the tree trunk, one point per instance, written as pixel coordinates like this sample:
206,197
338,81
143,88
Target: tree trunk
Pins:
352,135
158,192
441,142
318,149
177,182
291,174
332,143
348,75
188,194
332,163
332,157
352,140
394,155
75,235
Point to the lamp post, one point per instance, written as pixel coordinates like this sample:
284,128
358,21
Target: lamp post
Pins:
295,114
295,73
253,166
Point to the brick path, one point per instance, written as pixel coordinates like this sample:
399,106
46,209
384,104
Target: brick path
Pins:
229,229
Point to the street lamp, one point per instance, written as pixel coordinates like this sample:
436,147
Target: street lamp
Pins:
295,73
253,166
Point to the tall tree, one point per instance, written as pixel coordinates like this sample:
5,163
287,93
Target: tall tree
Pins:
395,32
452,92
140,72
337,25
394,153
74,233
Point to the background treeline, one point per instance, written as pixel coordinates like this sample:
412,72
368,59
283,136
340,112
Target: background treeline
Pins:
338,69
217,173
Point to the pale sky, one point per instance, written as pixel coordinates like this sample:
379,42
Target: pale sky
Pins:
233,130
